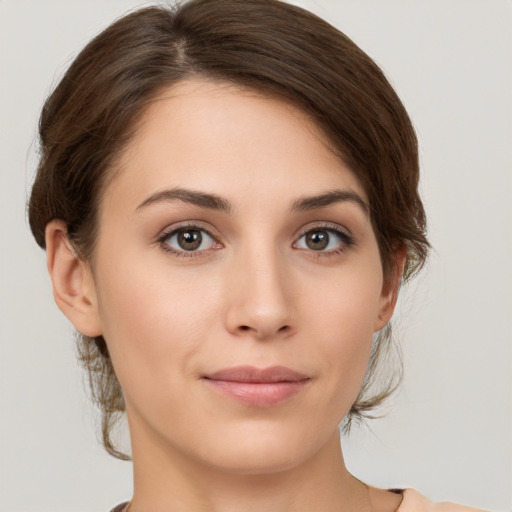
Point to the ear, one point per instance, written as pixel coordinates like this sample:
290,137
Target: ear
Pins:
389,294
73,284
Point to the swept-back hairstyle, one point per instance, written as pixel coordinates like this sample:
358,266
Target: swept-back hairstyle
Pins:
266,45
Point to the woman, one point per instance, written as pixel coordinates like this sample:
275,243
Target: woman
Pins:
228,198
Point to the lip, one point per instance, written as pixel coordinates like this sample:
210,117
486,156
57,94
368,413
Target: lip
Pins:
257,387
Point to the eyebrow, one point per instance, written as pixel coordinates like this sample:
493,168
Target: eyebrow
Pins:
202,199
329,198
215,202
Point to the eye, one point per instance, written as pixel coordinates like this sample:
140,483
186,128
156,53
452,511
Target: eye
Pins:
188,239
324,240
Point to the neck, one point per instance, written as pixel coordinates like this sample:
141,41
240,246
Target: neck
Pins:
166,479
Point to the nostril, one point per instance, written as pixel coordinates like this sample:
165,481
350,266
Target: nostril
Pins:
263,332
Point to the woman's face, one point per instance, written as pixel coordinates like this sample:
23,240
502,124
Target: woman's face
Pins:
237,281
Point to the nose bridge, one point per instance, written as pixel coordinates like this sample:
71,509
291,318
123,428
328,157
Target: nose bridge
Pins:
260,296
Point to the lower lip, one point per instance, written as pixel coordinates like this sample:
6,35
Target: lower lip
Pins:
258,394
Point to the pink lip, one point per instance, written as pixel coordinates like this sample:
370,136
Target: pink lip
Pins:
257,387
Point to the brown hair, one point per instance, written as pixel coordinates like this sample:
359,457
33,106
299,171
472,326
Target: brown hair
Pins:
266,45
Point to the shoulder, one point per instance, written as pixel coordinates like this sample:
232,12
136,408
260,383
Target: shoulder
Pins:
413,501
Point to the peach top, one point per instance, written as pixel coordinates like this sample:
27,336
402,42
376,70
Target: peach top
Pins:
413,501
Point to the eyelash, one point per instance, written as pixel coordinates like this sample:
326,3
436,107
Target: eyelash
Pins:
346,241
169,233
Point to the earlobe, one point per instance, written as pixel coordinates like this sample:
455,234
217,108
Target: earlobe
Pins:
72,280
389,295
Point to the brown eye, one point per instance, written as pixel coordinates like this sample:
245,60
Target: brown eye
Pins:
327,240
188,240
317,240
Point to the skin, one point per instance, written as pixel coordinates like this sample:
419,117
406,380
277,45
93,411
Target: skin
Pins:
254,293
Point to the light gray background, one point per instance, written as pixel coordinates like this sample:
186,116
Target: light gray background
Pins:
449,431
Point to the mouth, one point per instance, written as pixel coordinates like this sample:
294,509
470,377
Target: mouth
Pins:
257,387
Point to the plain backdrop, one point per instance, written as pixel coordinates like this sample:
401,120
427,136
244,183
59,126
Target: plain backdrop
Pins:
448,433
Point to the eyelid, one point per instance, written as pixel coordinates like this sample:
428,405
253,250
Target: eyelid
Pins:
343,233
327,225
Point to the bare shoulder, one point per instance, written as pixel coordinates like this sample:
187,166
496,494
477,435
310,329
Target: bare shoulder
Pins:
413,501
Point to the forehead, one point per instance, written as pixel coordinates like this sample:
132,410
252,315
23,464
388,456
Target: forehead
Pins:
218,135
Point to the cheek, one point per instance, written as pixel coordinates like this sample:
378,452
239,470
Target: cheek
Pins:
153,322
344,315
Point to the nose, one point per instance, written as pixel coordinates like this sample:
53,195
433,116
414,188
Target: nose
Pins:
259,297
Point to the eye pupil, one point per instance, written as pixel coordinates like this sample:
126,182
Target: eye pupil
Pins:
317,240
190,239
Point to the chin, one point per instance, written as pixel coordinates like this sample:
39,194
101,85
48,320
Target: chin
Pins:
256,462
263,449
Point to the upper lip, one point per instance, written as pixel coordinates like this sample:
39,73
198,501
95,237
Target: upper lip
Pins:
253,374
